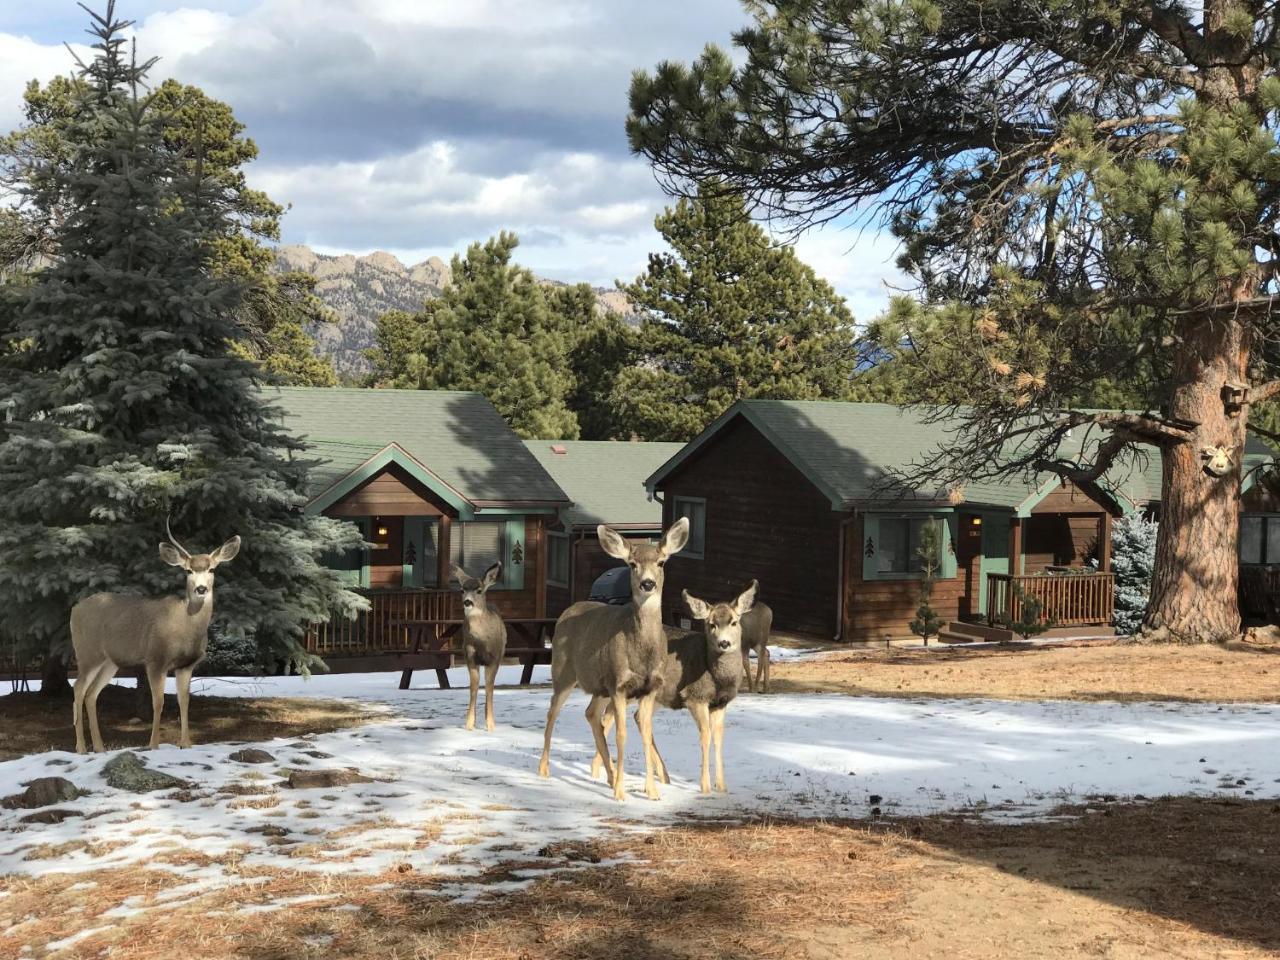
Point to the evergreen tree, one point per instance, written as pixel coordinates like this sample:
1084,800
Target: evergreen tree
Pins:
491,331
600,348
927,623
729,315
1084,191
124,400
277,310
1133,557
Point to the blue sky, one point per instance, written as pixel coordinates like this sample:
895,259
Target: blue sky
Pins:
419,126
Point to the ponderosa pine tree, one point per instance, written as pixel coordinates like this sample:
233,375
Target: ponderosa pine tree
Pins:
277,309
491,331
728,315
124,400
1086,190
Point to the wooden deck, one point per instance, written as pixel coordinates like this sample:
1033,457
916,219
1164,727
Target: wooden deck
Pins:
1067,599
381,629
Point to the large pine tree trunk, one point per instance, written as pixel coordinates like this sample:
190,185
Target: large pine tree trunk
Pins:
1193,589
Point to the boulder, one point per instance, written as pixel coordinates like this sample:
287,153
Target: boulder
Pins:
310,779
43,792
252,755
128,771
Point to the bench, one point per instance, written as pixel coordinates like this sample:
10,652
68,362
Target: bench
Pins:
431,645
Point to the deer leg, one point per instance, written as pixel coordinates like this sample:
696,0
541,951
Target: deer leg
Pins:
644,720
101,678
490,675
765,660
155,678
659,764
557,704
601,760
83,683
600,719
717,733
183,678
746,668
703,721
620,725
473,673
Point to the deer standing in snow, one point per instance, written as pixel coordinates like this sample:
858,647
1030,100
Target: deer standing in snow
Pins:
484,638
616,653
111,630
756,626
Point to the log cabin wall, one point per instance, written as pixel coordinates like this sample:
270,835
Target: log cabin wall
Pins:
874,608
390,492
1063,530
587,560
764,521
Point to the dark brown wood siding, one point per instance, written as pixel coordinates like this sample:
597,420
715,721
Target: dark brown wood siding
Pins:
764,521
390,492
874,608
587,561
1062,530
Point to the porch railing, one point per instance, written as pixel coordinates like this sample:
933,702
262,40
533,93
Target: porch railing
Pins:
1066,599
371,631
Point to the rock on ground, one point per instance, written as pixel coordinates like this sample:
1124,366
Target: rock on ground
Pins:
128,771
43,792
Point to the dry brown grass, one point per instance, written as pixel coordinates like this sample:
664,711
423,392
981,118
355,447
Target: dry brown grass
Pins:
1080,671
33,723
1179,878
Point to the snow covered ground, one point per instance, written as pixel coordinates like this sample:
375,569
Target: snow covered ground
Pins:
451,802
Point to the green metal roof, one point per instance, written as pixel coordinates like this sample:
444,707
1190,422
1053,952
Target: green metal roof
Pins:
605,479
456,435
847,449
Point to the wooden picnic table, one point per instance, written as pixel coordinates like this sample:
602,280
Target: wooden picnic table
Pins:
431,645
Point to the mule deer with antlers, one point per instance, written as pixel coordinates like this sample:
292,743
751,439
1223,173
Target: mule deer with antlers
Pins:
701,675
111,630
616,653
484,638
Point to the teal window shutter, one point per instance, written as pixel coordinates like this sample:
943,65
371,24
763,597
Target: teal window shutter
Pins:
870,547
517,557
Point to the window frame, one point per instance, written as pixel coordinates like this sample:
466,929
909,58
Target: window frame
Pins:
947,568
689,551
1265,520
566,540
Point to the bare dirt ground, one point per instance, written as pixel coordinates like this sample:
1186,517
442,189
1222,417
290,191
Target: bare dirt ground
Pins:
30,723
1081,671
1173,879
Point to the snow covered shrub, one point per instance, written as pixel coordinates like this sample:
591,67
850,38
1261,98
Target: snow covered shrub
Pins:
1133,556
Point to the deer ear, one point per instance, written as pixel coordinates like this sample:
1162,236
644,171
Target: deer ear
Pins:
677,535
699,608
170,555
458,574
747,598
225,552
491,576
613,543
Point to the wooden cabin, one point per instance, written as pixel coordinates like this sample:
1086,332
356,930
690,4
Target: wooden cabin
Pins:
431,478
793,494
605,482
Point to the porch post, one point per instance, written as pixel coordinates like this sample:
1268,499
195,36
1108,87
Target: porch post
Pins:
1104,543
442,558
1015,547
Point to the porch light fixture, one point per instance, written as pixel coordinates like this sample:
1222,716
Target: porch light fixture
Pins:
976,521
382,531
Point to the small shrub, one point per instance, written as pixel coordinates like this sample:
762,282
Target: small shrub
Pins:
1133,557
927,622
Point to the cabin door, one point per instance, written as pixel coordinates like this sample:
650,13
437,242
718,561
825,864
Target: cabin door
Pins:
969,564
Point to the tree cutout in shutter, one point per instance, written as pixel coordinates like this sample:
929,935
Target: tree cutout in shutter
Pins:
517,554
870,550
410,554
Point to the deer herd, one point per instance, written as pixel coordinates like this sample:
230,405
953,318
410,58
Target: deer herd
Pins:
618,654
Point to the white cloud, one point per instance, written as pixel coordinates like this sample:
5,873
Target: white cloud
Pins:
23,60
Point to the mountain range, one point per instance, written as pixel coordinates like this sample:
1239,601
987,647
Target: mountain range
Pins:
361,289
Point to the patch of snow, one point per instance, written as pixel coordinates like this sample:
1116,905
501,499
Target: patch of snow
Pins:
450,804
75,938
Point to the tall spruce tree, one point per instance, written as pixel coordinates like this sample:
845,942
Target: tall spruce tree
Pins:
728,315
278,309
124,401
491,331
1086,191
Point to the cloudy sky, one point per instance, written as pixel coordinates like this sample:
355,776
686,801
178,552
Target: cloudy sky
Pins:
419,126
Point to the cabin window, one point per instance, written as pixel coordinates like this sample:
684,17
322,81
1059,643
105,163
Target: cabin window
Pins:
558,559
900,545
477,545
695,509
1260,539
